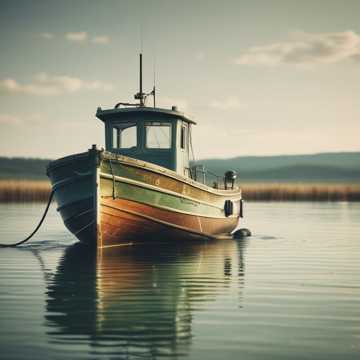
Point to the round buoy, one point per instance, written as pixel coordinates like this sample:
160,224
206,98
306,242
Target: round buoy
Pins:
241,233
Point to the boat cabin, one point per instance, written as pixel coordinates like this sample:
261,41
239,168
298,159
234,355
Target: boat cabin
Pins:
158,136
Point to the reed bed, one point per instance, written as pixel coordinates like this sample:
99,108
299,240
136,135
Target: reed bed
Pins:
300,192
38,191
24,191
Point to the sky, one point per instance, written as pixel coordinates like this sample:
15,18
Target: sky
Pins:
263,77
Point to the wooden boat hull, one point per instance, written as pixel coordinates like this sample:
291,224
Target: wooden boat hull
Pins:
108,200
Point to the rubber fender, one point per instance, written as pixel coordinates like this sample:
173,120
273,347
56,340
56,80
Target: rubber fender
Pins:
241,233
228,208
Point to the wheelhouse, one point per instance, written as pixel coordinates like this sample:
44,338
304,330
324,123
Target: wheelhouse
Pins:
155,135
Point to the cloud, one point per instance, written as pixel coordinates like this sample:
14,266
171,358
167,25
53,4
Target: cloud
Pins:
50,85
47,35
101,40
77,36
305,49
80,37
8,119
230,103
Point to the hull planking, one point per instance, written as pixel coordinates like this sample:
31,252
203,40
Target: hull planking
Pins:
108,200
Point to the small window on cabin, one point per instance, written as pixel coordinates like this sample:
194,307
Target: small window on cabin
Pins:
158,135
183,137
124,136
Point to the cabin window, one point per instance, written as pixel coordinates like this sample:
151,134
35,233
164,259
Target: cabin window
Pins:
124,136
158,135
183,137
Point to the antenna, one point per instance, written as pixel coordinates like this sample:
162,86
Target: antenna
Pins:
154,90
154,96
140,95
141,92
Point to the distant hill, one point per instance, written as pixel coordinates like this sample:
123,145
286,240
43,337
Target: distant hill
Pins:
23,168
336,167
344,166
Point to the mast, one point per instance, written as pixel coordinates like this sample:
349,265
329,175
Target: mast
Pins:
140,95
153,92
154,96
141,92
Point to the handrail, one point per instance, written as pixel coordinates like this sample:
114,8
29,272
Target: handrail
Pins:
200,168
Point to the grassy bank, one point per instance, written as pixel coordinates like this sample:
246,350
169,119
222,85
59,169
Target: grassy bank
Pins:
301,192
24,191
33,191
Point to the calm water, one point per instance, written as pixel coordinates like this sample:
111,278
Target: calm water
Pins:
292,291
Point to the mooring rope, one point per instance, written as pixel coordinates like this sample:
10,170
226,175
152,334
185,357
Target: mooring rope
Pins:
113,179
37,227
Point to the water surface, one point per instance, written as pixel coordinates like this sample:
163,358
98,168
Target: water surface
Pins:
292,291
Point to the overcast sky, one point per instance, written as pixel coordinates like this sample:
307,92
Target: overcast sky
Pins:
260,77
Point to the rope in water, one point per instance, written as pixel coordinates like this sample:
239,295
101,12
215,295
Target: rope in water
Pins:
37,227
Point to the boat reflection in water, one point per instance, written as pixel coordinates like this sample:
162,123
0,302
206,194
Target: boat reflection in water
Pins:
139,300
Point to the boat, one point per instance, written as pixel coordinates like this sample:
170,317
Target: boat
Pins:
143,186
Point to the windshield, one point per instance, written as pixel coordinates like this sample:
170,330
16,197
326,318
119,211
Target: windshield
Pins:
124,136
158,135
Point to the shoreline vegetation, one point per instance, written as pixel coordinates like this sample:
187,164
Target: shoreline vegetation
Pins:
301,192
21,191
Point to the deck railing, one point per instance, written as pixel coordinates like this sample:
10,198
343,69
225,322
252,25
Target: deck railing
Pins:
206,177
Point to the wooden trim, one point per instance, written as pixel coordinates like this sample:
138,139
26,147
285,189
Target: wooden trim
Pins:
118,245
69,180
105,155
135,213
144,165
77,215
174,210
84,227
156,188
65,160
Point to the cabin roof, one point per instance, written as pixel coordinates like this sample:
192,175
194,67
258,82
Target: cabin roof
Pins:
127,112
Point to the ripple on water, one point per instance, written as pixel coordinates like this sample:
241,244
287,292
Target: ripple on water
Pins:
290,291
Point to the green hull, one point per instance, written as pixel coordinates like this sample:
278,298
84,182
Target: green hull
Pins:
73,180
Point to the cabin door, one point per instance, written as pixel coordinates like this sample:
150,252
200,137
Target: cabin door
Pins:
184,148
